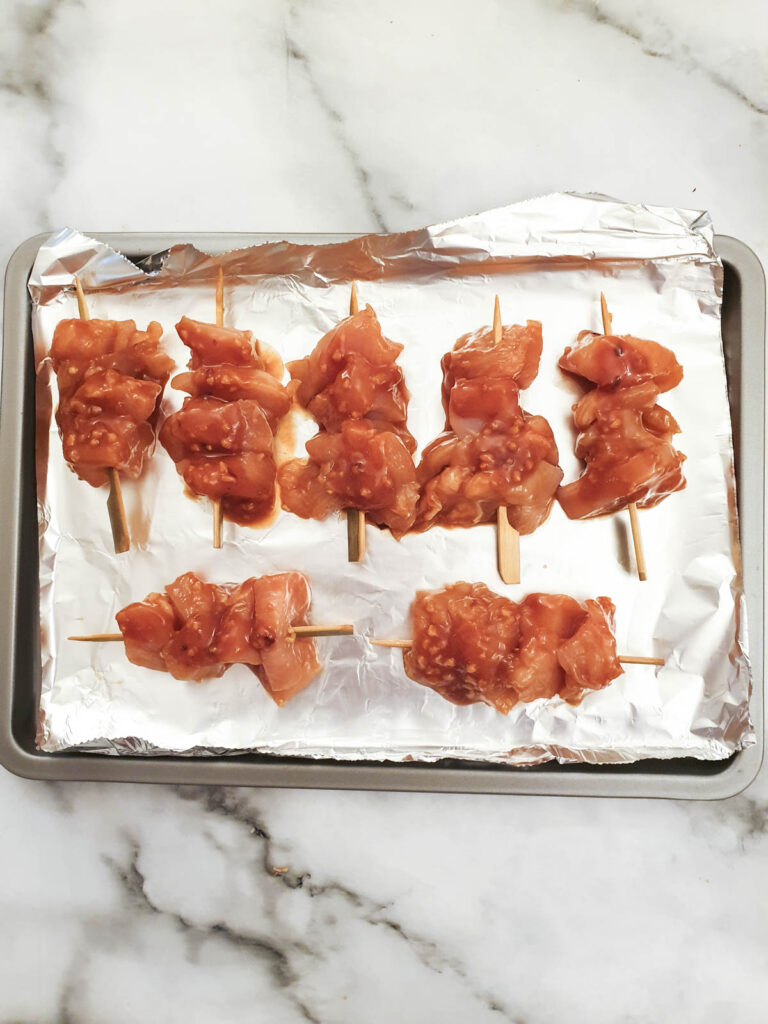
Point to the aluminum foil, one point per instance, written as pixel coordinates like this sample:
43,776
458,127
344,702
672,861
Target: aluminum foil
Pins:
548,259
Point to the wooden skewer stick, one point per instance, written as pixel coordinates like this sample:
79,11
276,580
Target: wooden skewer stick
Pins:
115,507
297,632
98,638
607,318
627,659
82,305
637,540
355,516
304,631
116,511
634,519
507,537
217,514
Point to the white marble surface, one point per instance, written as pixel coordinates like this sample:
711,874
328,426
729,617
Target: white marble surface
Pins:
140,903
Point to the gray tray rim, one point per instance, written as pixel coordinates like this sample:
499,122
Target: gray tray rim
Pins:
682,778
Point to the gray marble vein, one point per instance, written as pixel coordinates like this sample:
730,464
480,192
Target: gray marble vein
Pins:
659,40
26,71
301,58
235,806
270,953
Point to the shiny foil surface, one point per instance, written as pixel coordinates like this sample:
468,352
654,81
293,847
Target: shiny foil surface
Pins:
548,259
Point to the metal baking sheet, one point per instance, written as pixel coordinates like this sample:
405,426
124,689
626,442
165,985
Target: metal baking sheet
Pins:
743,325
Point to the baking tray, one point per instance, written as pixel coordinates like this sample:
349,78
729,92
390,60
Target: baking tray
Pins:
743,328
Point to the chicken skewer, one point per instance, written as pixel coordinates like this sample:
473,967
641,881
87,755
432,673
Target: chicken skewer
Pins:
472,646
623,436
222,437
360,462
634,520
195,631
507,537
217,512
115,507
494,462
355,516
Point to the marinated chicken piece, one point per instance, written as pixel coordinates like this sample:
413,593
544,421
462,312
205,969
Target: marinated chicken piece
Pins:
476,355
465,479
215,346
565,647
588,656
363,466
352,374
473,646
611,361
190,651
492,454
117,442
147,626
286,667
230,383
464,640
624,438
224,450
110,378
222,438
196,630
80,347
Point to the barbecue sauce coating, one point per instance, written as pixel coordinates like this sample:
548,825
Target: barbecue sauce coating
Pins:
625,437
196,630
362,456
222,438
492,453
110,378
474,646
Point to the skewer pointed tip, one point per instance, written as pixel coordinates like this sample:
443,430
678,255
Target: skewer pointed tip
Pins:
496,321
354,306
629,659
607,318
301,632
82,305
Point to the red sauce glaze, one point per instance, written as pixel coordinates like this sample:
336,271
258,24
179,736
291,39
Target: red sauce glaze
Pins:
492,453
196,630
222,438
110,378
362,457
625,437
473,646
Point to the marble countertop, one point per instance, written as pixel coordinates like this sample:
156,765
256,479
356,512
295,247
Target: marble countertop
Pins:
128,903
